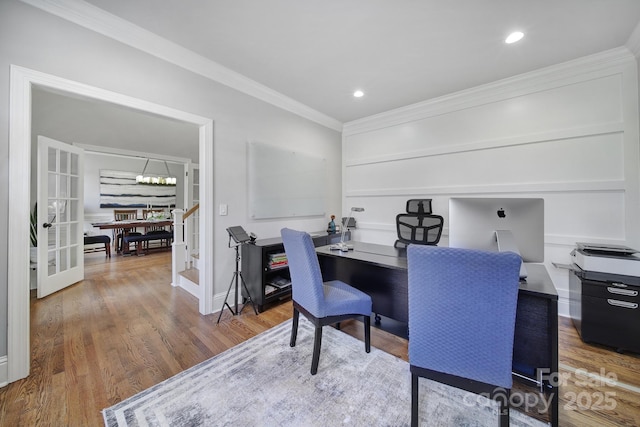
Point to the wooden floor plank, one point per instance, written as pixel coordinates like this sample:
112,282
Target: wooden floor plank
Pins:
125,328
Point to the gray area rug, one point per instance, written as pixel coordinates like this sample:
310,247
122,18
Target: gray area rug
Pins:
264,382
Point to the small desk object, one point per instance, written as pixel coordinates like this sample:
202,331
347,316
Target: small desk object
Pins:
381,272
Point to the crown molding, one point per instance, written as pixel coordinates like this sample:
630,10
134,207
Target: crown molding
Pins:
95,19
633,44
495,91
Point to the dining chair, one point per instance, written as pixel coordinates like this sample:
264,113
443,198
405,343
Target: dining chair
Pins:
462,311
157,232
323,303
119,233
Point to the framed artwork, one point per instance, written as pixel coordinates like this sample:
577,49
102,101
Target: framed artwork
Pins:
120,189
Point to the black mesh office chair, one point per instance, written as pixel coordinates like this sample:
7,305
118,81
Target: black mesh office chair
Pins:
418,225
421,206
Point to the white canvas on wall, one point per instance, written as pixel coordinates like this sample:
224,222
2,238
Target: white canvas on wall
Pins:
119,189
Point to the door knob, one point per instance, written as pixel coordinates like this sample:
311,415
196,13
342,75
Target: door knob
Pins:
46,225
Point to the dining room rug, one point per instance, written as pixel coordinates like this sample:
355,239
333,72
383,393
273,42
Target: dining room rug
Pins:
265,382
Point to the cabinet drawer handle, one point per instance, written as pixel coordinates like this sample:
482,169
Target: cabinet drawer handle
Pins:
625,292
623,304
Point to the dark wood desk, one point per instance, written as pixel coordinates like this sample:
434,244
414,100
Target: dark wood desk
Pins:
381,271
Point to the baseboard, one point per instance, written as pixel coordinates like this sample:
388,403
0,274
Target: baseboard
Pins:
186,284
563,307
4,371
218,301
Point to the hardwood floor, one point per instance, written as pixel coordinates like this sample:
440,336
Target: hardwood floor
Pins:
124,329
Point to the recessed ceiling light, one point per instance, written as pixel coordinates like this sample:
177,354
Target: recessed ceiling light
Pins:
514,37
358,94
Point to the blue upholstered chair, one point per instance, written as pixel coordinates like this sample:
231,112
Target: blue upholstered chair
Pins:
322,303
462,311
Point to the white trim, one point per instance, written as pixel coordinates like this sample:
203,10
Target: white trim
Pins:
207,223
18,328
3,371
188,286
554,135
119,152
633,43
102,22
578,70
518,188
22,81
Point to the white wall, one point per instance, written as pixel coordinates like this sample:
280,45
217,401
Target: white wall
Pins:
568,134
37,40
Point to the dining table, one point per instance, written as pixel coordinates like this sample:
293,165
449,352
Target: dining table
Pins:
132,224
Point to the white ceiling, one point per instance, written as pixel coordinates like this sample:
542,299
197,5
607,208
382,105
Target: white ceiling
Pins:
399,52
75,119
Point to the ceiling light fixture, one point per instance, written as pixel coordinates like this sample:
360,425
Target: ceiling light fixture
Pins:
514,37
156,179
358,93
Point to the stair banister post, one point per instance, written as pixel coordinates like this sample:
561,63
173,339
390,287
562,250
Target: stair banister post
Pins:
178,259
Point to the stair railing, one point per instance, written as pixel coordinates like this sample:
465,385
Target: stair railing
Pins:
192,233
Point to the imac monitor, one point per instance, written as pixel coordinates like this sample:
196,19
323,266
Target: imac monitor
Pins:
499,224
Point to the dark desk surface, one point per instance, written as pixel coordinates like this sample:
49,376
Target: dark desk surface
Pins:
538,281
278,240
384,256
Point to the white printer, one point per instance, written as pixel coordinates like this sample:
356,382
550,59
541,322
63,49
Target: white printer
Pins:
604,295
613,259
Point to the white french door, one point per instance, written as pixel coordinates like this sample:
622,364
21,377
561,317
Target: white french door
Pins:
60,215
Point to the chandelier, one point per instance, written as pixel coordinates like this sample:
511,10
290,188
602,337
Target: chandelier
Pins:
156,179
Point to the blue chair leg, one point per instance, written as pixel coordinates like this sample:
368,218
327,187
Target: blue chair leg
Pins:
414,400
317,342
294,327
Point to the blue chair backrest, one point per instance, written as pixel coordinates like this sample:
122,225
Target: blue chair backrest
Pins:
462,308
306,277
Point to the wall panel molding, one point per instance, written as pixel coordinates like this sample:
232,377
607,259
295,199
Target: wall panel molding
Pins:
565,243
554,135
567,133
580,70
495,189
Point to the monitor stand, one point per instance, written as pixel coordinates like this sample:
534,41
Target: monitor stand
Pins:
506,242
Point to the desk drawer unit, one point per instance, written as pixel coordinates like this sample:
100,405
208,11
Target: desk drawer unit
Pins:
606,309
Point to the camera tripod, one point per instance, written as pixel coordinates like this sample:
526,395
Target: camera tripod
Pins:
235,280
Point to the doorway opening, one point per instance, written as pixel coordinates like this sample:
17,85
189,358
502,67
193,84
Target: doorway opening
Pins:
22,83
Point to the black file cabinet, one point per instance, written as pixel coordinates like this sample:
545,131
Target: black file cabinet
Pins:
605,308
